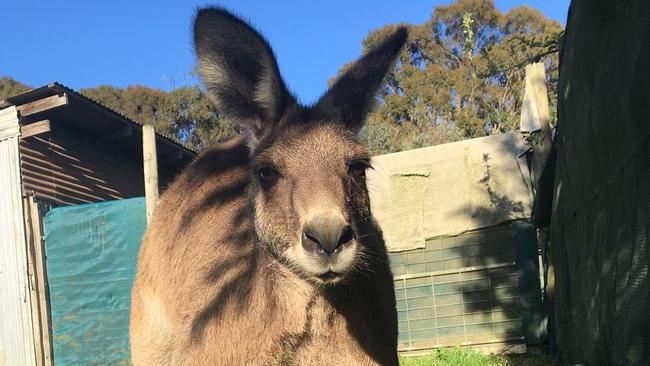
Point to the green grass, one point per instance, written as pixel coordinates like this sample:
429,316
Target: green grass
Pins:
459,356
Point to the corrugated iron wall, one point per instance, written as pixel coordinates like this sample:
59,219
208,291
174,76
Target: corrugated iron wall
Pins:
16,342
66,170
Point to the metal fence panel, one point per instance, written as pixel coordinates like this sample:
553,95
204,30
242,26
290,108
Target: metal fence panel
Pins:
469,289
473,305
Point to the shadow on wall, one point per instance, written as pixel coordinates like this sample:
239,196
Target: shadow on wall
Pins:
601,198
509,288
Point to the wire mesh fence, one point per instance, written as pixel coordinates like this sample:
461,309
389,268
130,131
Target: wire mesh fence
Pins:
474,305
462,290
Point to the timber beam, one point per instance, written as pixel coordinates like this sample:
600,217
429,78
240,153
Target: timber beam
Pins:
42,105
35,128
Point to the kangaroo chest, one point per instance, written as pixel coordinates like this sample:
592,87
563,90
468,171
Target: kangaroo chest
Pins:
276,329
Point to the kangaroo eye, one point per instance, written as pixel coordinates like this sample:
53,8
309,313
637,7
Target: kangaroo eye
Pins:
267,174
357,168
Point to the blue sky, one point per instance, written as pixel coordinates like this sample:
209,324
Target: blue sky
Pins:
86,43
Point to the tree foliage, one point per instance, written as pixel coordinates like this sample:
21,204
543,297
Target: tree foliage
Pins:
461,75
10,87
184,113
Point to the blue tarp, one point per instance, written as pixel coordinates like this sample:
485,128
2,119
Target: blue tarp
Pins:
92,252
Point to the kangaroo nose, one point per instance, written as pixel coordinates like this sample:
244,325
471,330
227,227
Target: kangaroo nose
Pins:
326,234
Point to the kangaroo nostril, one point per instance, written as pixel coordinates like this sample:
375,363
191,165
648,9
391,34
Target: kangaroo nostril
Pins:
312,236
346,235
311,241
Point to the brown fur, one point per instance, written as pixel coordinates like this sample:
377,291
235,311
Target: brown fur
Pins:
222,276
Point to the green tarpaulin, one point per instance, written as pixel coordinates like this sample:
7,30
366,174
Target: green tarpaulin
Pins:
92,251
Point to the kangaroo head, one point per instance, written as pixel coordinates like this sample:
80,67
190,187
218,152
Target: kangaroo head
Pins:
308,194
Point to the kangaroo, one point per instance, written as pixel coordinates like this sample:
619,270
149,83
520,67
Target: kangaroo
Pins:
263,251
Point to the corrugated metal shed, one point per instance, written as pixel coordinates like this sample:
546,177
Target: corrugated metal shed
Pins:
16,342
63,149
88,153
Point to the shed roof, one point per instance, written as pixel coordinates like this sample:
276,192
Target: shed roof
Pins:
69,109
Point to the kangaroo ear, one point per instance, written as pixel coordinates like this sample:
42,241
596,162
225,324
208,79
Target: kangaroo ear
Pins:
352,95
239,71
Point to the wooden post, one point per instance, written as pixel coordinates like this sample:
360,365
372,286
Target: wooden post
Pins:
535,115
536,107
38,283
150,160
37,327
